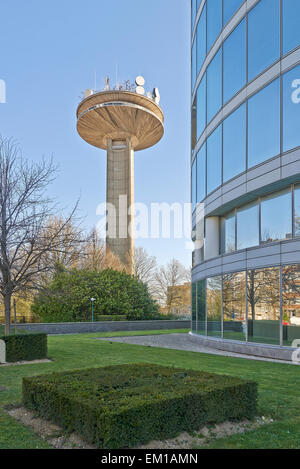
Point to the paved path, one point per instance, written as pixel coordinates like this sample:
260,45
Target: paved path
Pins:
182,342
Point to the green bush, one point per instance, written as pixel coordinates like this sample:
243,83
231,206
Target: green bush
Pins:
25,347
126,405
67,297
111,318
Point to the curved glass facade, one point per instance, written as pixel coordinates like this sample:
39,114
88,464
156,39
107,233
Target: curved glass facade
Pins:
245,171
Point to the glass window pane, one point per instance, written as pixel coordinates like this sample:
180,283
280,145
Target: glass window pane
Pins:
201,174
273,226
228,233
194,124
214,86
234,144
194,185
214,306
297,210
248,226
234,306
214,157
214,21
201,107
291,30
194,307
194,64
264,124
194,11
291,303
291,109
201,40
201,319
234,61
263,290
230,7
263,36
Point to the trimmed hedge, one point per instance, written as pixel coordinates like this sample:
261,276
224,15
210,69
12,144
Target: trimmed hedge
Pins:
111,318
126,405
25,347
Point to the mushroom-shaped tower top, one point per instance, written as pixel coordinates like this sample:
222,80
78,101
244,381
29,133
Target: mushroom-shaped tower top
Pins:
119,115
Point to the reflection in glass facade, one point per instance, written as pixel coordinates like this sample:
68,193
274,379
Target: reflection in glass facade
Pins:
248,226
214,21
245,159
214,160
234,58
291,106
263,36
234,144
214,86
229,9
276,217
201,40
264,124
290,25
245,306
266,220
234,306
228,233
214,306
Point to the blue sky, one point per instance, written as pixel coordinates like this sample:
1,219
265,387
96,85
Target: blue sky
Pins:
49,52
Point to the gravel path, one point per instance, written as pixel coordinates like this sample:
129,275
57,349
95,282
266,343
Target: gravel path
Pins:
182,342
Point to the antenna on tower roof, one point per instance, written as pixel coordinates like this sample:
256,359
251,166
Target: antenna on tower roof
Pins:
95,78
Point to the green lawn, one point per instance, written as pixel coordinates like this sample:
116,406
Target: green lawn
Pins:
279,385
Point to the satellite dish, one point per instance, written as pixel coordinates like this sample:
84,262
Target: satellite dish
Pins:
149,95
140,81
88,93
156,95
140,90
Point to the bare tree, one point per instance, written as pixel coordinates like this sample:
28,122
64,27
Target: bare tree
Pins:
25,238
145,267
166,280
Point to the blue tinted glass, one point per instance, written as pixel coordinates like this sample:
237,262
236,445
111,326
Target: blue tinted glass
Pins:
229,8
248,226
193,11
234,144
194,63
214,86
201,173
194,185
291,109
273,226
263,36
201,107
264,124
291,29
234,61
201,40
214,156
214,21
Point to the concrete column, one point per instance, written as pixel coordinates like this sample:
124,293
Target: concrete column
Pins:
212,236
119,197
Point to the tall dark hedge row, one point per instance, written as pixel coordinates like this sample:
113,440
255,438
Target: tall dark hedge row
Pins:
25,347
67,297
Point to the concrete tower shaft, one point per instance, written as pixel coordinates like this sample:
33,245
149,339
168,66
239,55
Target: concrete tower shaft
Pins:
120,122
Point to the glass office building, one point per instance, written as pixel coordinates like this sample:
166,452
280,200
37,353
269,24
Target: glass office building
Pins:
245,170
